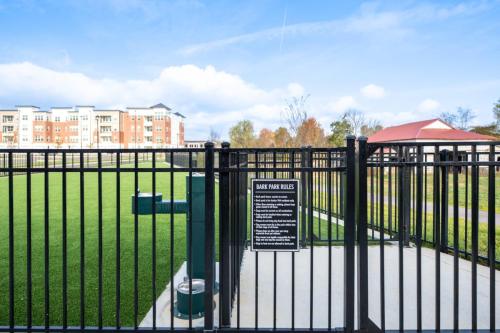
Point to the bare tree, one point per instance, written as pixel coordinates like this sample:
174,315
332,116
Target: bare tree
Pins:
371,127
214,135
449,117
460,119
356,120
295,113
464,117
496,113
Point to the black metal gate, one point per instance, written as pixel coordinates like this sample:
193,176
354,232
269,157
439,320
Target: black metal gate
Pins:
429,211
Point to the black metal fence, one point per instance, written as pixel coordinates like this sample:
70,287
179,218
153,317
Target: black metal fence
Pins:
75,257
433,208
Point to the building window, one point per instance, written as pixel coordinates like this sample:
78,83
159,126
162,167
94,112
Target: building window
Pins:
25,117
8,119
158,140
158,128
57,119
39,118
105,129
8,129
148,118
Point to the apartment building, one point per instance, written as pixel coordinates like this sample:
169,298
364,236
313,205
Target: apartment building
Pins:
83,126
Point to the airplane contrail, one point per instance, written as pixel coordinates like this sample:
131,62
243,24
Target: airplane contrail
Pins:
283,28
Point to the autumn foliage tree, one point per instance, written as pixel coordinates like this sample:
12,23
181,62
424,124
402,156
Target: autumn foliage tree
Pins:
310,133
282,138
266,138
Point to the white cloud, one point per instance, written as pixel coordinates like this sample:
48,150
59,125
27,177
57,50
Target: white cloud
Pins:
295,89
428,105
207,96
344,103
369,20
373,91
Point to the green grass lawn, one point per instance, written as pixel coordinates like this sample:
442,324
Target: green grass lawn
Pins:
428,187
163,241
428,230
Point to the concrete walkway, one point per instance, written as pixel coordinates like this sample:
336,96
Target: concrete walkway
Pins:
320,289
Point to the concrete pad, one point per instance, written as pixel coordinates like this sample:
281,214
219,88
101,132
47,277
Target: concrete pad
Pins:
163,305
320,289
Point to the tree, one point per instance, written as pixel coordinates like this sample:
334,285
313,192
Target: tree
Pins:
448,117
496,113
486,130
310,133
356,120
460,119
242,134
340,129
371,127
266,138
464,118
295,113
214,135
282,138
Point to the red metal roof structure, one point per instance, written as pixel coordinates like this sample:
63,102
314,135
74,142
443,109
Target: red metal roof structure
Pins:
426,130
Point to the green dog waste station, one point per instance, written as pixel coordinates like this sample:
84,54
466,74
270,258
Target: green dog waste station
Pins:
196,261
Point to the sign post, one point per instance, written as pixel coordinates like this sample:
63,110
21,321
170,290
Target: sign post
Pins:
275,214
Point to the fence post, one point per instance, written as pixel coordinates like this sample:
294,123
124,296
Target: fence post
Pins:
403,195
350,234
361,210
303,196
444,201
225,238
209,236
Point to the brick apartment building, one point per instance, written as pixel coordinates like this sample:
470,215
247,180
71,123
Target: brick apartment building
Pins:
87,127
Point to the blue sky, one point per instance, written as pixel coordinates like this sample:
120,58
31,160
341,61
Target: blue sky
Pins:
222,61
